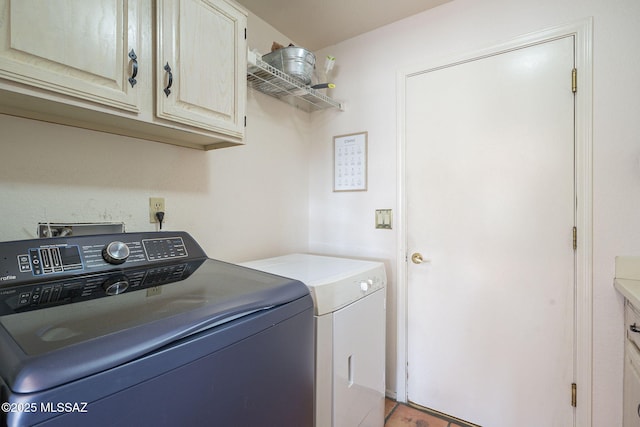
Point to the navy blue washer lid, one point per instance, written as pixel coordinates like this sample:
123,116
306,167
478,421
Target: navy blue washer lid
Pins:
76,340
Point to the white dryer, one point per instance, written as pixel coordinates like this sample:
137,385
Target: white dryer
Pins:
349,299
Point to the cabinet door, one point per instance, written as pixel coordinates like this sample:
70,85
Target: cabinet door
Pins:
77,48
631,417
201,64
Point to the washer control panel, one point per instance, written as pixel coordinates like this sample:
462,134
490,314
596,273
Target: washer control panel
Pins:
27,261
46,272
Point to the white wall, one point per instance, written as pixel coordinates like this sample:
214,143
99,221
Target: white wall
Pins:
239,203
365,77
275,195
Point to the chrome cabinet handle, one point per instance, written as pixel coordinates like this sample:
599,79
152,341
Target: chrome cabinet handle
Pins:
167,90
134,72
634,328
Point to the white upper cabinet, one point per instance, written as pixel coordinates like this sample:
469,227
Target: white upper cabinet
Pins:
73,47
73,61
201,64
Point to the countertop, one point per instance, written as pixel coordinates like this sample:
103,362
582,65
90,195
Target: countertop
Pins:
627,280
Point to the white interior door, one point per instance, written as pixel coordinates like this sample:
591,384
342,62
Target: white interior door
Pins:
491,205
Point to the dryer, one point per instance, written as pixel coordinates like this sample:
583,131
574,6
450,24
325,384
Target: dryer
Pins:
350,316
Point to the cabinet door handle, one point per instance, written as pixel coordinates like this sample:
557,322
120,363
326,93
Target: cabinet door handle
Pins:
167,90
634,328
638,410
134,72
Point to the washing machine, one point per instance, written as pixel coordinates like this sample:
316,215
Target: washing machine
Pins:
142,329
349,315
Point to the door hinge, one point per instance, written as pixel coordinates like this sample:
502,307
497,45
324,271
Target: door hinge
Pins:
574,395
245,33
245,121
574,80
575,238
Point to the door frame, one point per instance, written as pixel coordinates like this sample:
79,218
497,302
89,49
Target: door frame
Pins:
582,31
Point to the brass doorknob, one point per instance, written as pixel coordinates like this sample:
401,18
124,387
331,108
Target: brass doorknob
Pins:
416,258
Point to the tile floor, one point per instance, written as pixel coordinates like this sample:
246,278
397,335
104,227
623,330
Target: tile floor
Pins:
400,415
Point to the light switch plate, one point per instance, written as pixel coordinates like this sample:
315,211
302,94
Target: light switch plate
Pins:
384,219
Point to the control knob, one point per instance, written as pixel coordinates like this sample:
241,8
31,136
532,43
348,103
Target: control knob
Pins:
116,252
365,285
116,285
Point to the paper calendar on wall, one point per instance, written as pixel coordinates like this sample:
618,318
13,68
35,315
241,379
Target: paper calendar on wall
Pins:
350,162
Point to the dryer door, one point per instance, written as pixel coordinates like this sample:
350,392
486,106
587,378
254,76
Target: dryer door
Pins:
359,362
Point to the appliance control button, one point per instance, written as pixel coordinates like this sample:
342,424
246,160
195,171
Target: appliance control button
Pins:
116,252
116,285
364,285
25,297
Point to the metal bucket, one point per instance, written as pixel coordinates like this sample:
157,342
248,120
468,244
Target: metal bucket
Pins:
295,61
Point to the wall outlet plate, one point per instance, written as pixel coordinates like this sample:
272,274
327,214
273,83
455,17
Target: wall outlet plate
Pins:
156,204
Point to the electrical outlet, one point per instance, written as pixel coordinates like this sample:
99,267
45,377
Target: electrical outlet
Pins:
156,204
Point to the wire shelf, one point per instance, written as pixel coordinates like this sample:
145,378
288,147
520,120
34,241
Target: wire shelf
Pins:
273,82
